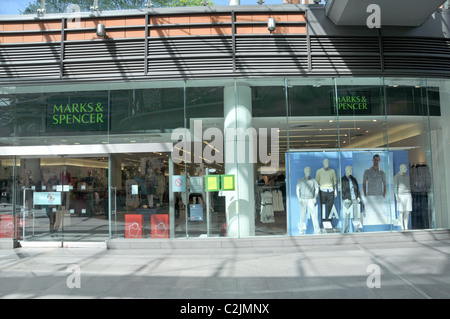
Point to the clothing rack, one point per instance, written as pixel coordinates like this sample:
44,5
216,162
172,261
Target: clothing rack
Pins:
412,164
268,199
268,187
420,177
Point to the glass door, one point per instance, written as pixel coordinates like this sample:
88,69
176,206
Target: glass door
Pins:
63,198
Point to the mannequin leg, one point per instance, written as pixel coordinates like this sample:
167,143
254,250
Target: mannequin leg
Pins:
356,217
400,219
314,212
302,216
346,222
406,220
150,200
347,216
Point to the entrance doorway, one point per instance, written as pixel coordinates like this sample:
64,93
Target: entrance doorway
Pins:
62,198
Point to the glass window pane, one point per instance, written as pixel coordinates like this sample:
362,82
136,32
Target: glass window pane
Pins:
269,109
7,116
440,151
204,213
311,142
409,140
365,160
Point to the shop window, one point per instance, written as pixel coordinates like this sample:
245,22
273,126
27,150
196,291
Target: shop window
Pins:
146,110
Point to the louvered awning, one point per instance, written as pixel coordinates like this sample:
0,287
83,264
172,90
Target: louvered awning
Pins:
161,46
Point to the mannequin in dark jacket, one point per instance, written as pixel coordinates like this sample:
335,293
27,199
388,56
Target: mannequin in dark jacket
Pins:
351,197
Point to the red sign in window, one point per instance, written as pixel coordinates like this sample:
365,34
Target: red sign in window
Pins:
133,225
160,226
6,226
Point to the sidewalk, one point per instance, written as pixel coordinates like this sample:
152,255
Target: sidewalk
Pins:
405,269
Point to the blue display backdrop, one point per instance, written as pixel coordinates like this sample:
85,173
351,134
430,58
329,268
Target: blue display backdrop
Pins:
385,209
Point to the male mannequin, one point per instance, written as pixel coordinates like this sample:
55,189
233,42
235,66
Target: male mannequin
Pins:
326,178
402,191
307,192
351,197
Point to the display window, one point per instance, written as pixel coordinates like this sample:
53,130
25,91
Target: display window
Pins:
347,191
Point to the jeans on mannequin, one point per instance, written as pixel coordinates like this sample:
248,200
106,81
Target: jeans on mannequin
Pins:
350,211
327,199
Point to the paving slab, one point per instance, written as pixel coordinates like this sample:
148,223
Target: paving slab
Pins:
352,269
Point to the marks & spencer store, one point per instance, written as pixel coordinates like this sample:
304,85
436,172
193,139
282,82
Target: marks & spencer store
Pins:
200,122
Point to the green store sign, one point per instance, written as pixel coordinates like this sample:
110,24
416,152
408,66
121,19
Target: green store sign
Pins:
68,114
354,103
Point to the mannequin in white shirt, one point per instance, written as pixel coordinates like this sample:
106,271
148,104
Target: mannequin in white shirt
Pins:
307,192
402,191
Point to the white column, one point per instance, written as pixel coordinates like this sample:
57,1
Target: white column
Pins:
240,205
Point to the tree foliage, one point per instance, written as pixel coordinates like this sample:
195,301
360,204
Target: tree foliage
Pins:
60,6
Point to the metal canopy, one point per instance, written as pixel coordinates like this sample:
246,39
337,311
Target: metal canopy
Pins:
410,13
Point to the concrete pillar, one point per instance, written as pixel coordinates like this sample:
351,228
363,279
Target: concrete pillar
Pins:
239,204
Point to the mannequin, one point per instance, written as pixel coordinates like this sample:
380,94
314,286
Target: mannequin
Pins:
50,209
27,183
201,171
161,186
402,191
90,201
351,197
150,182
326,178
65,176
307,192
200,199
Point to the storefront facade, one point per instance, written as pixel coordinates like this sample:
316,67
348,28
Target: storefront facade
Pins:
189,123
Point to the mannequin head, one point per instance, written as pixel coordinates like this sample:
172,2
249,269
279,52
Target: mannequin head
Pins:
326,163
348,171
307,171
403,168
